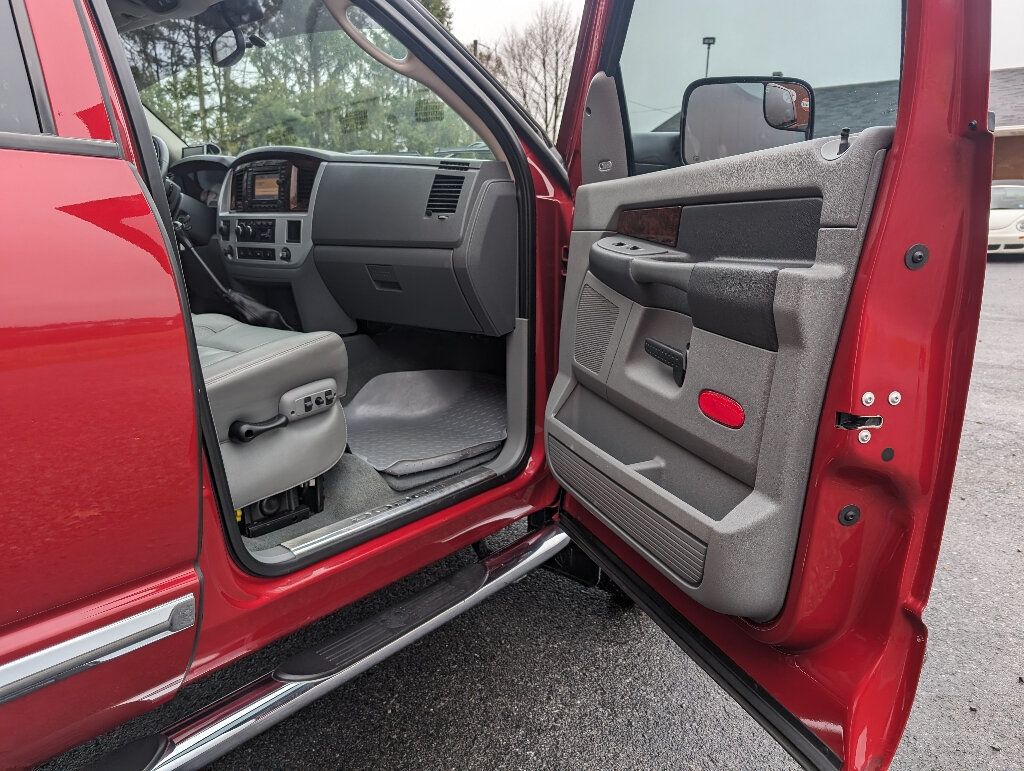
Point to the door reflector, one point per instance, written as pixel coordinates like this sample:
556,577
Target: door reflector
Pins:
721,409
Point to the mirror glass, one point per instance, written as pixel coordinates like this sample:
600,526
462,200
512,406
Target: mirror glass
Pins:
725,116
787,106
375,33
227,48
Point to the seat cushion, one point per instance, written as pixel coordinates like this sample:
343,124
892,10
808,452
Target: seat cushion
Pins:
247,369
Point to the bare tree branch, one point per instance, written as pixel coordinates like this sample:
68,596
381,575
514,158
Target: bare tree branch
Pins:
535,62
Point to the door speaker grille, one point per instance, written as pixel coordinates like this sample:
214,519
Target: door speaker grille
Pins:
596,317
679,551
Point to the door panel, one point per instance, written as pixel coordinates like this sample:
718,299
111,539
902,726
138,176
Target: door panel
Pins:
100,458
880,322
751,291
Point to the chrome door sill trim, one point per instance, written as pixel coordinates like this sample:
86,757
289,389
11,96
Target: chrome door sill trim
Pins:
35,670
359,523
224,725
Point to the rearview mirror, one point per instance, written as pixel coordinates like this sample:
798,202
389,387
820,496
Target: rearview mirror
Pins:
728,116
227,48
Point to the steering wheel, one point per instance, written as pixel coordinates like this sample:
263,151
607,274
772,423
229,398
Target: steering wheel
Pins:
163,155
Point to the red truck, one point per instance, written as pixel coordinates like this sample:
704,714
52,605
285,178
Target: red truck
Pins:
714,344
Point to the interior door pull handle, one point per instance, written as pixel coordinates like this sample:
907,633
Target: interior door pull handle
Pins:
669,272
668,355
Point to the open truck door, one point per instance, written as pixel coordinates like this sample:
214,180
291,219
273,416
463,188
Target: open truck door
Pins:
767,337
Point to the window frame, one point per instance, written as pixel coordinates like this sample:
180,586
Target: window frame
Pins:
42,115
611,55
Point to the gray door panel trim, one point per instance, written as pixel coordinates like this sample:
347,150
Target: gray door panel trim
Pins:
794,171
46,666
656,431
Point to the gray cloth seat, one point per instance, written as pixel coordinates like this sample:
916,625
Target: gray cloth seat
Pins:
253,374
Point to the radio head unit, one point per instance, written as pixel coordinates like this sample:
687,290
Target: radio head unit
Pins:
270,186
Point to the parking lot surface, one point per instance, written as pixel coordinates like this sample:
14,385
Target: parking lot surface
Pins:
551,675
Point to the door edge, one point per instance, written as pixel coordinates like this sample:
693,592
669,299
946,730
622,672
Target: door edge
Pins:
806,748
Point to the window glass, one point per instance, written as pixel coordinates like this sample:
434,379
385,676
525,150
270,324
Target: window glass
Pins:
17,107
1007,197
849,53
310,85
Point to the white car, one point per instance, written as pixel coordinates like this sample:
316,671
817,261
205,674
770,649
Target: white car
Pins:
1006,217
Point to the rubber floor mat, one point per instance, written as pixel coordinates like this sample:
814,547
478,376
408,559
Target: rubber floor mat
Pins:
409,481
411,422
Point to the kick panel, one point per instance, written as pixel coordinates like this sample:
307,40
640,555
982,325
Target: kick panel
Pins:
692,368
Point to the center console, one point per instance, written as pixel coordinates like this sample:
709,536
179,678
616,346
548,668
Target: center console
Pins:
264,211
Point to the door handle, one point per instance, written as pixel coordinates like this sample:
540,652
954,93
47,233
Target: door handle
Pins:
669,356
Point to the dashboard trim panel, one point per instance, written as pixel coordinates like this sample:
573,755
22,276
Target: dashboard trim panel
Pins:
282,252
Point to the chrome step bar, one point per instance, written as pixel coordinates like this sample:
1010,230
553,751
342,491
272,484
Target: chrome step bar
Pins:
224,725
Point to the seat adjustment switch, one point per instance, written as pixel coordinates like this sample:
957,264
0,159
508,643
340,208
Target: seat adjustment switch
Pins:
309,400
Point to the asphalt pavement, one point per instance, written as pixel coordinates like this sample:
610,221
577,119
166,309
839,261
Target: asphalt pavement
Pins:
550,675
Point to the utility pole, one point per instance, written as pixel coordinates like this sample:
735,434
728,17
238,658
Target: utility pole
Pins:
708,41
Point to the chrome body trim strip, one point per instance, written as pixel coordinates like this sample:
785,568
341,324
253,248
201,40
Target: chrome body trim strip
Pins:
224,725
35,670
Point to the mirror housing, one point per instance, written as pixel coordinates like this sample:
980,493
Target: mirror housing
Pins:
227,48
728,116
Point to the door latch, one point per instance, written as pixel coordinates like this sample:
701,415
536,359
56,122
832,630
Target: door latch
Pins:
850,422
859,423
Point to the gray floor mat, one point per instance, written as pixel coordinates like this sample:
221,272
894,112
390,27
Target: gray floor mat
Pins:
412,422
406,349
409,481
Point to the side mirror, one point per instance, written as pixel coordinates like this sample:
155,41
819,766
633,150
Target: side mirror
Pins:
227,48
728,116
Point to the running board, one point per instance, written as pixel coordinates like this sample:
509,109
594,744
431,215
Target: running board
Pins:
224,725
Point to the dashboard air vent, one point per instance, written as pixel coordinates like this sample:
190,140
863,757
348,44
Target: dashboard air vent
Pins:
306,178
236,188
444,194
448,163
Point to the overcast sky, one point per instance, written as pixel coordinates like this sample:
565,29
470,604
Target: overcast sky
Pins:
485,20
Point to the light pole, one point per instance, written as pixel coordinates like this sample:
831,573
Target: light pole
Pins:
708,41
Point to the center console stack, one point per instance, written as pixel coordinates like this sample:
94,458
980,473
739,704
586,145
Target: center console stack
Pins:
265,216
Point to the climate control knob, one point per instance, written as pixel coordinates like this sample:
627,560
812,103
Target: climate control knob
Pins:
243,231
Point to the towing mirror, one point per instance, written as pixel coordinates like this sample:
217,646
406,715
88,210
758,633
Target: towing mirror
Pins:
728,116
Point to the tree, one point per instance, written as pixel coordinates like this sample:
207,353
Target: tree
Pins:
441,9
311,85
535,62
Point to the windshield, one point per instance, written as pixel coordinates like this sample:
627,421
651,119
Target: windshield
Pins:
309,86
1008,197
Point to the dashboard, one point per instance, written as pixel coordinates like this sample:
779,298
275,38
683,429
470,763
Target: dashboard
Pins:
264,210
338,237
